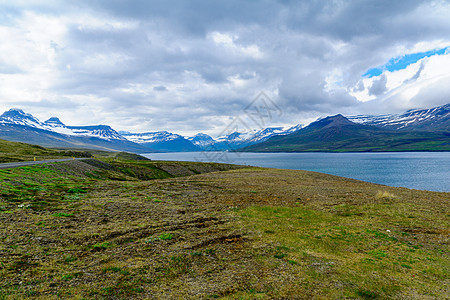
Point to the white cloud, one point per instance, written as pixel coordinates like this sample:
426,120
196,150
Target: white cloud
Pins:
229,43
402,86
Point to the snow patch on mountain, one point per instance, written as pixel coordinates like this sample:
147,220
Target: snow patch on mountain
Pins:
201,140
151,137
100,131
410,118
265,134
237,140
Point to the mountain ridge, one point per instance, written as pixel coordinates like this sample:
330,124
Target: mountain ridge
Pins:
172,142
436,118
162,141
339,134
18,126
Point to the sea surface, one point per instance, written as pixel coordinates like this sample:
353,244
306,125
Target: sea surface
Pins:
416,170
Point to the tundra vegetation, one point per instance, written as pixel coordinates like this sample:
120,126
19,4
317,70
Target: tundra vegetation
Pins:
127,229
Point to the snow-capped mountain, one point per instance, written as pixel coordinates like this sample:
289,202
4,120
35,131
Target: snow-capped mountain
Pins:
54,122
150,137
420,119
293,129
171,142
19,117
338,134
265,134
201,140
162,141
238,140
18,126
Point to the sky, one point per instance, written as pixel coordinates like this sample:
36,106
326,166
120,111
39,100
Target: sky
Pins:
195,66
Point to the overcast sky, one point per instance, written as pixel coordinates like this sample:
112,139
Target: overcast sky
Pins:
193,66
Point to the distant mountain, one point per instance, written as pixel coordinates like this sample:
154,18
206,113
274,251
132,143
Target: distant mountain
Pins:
201,140
265,134
339,134
238,140
162,141
171,142
18,126
415,130
19,117
437,118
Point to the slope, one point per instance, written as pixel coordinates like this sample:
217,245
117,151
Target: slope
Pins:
13,152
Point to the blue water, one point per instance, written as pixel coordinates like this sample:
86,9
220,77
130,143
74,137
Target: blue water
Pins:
417,170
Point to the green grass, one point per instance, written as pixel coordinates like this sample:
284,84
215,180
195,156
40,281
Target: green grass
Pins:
13,152
104,245
346,248
166,236
62,215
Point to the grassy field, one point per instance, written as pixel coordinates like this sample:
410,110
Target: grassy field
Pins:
118,229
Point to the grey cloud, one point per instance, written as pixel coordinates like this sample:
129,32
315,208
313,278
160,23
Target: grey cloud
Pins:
306,94
190,17
359,87
160,88
416,75
6,68
378,86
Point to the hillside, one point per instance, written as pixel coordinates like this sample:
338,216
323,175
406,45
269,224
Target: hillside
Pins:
102,230
338,134
13,151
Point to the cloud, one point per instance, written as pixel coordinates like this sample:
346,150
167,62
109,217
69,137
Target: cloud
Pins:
359,87
190,66
6,68
378,86
416,75
160,88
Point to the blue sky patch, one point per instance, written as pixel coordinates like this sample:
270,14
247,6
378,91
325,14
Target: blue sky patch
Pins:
401,62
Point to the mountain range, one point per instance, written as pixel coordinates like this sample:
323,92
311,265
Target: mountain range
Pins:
18,126
418,130
171,142
415,130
